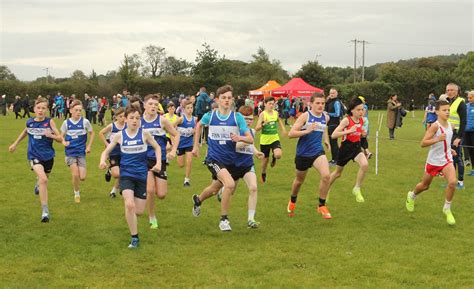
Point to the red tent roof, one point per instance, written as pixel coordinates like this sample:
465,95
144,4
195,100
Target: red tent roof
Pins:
294,88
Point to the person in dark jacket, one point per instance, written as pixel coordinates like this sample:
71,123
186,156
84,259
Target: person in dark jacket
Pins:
26,106
17,105
334,109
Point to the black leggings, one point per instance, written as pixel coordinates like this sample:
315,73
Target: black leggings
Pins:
469,141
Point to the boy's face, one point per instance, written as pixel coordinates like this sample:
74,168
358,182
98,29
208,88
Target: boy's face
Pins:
171,109
269,105
470,97
76,111
151,106
226,99
188,109
40,109
318,104
133,119
120,118
443,112
248,119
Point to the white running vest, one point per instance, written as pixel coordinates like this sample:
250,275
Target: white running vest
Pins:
440,152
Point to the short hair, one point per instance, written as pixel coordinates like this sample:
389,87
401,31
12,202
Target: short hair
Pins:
268,99
75,102
119,110
317,95
223,89
132,109
246,110
41,100
187,102
353,103
151,96
170,104
440,103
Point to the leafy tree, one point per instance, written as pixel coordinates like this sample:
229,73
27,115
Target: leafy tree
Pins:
465,71
78,75
154,59
313,73
174,66
6,74
206,69
129,70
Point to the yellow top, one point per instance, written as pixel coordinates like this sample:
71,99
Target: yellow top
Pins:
269,133
172,120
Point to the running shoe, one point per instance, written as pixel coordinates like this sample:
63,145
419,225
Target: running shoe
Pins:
134,243
154,224
359,198
37,191
471,174
332,163
449,216
410,203
264,178
323,210
460,186
291,209
45,218
252,224
186,184
196,206
224,225
77,199
112,195
108,176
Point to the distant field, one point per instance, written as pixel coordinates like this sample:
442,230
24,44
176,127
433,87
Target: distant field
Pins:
377,244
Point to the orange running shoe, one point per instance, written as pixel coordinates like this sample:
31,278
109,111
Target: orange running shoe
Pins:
323,210
291,209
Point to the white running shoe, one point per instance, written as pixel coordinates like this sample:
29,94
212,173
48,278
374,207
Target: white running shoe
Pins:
224,225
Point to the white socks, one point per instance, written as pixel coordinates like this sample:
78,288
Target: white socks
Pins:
251,215
412,195
447,205
76,193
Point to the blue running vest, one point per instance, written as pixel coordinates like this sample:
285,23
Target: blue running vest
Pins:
133,155
311,144
76,135
186,134
158,133
220,147
40,147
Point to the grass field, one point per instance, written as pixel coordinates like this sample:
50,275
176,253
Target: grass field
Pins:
377,244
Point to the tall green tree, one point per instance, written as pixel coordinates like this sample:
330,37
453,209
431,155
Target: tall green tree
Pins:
6,74
313,73
154,60
129,70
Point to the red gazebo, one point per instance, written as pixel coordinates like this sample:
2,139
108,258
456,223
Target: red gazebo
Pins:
296,87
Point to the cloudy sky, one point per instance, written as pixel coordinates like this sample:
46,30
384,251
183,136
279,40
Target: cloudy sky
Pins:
81,34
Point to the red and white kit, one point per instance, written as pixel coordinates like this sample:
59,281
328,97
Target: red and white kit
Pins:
440,155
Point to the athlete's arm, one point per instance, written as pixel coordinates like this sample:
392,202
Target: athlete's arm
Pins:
258,153
105,154
22,135
259,122
296,131
326,133
282,126
104,131
339,131
243,129
63,133
429,138
55,135
174,137
91,137
205,120
151,141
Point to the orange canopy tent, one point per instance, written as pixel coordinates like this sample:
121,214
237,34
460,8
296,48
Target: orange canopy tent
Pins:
296,87
265,90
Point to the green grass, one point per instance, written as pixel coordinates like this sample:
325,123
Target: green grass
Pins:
377,244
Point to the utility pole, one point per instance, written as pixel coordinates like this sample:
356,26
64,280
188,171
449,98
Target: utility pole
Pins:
355,58
47,73
317,55
363,57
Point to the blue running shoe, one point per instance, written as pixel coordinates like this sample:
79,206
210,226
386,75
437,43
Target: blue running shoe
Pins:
134,243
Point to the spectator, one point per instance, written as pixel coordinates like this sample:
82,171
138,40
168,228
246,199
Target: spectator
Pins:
94,108
3,105
26,106
334,109
17,105
203,103
469,133
393,105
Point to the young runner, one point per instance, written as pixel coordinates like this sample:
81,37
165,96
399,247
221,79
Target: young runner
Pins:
363,140
269,138
351,130
226,128
157,126
440,160
186,128
41,131
134,142
245,169
311,129
106,134
172,118
74,132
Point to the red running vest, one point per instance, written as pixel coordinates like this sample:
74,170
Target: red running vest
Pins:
355,136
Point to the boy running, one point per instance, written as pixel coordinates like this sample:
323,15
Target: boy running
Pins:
133,141
351,130
440,160
269,138
114,157
226,128
157,181
74,131
311,129
41,131
186,128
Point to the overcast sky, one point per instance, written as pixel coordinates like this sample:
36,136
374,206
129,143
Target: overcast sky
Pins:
80,34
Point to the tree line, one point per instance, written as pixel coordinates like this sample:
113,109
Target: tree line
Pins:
153,70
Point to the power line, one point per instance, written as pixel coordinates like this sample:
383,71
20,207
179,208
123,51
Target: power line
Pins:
422,45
